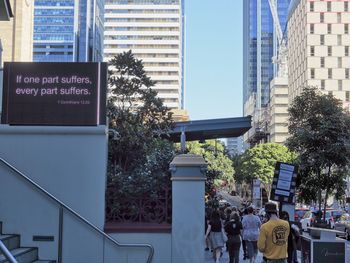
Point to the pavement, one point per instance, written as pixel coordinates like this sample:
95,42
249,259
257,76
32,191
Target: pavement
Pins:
225,259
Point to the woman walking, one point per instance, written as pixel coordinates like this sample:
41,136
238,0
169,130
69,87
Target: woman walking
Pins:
251,227
233,229
214,232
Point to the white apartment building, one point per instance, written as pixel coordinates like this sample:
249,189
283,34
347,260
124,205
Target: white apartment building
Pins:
153,30
318,47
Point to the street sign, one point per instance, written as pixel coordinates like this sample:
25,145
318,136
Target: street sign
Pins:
283,184
256,189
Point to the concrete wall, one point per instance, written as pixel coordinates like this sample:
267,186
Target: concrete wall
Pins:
70,163
160,241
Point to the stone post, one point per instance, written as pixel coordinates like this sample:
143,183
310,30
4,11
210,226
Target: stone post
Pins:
188,217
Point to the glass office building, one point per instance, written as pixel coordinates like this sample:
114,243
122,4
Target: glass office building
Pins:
260,45
68,30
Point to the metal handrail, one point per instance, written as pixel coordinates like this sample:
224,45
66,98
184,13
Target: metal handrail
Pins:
7,253
52,197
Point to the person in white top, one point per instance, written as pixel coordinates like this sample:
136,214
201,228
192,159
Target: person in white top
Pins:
251,228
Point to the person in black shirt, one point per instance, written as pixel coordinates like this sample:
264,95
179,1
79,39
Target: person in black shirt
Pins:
216,237
293,239
233,230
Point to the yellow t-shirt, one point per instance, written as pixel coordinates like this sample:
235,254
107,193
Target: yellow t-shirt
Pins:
273,239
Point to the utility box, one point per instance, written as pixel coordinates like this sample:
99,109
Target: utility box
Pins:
322,246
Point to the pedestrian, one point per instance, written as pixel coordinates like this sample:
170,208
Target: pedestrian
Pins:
293,239
244,243
215,234
207,240
273,238
251,225
233,230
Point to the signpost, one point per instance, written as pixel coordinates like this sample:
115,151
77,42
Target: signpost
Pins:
47,93
283,184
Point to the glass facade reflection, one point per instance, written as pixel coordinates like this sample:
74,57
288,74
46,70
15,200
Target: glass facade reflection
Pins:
68,30
260,47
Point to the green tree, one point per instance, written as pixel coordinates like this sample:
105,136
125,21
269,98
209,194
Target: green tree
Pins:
220,170
319,130
259,162
139,159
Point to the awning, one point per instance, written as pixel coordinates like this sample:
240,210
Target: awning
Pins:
211,129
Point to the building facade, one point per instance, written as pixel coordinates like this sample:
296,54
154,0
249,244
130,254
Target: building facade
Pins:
154,31
68,30
235,146
260,45
17,34
319,43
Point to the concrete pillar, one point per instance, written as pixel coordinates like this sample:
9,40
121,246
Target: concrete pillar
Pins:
188,190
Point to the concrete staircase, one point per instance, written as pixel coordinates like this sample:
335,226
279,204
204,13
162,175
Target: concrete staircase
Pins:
21,254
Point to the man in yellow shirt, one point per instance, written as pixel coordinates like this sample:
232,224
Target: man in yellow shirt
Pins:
273,238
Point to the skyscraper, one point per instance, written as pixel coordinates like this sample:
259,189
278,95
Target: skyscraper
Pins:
260,45
319,48
68,30
153,30
17,34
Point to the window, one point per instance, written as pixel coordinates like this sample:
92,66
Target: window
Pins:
340,62
346,28
339,40
338,17
340,85
322,17
347,96
329,73
312,73
312,7
322,62
347,73
346,51
329,28
329,51
312,51
322,39
312,28
329,6
322,84
346,6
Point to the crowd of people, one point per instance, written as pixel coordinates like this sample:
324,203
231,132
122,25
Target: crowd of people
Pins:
273,235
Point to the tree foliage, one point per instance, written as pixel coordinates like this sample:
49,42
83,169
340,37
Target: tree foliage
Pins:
259,162
139,159
220,170
319,130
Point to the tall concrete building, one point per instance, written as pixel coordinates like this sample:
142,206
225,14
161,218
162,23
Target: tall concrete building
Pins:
17,34
319,47
68,30
154,31
260,45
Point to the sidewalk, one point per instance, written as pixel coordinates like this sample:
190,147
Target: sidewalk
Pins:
225,259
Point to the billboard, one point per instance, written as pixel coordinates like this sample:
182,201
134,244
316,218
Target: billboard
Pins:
50,93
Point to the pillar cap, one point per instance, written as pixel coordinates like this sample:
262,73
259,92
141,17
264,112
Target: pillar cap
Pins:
186,160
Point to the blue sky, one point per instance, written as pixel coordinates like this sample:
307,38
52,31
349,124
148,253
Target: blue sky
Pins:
214,58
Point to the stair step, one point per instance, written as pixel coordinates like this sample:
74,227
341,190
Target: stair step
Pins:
22,255
10,241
